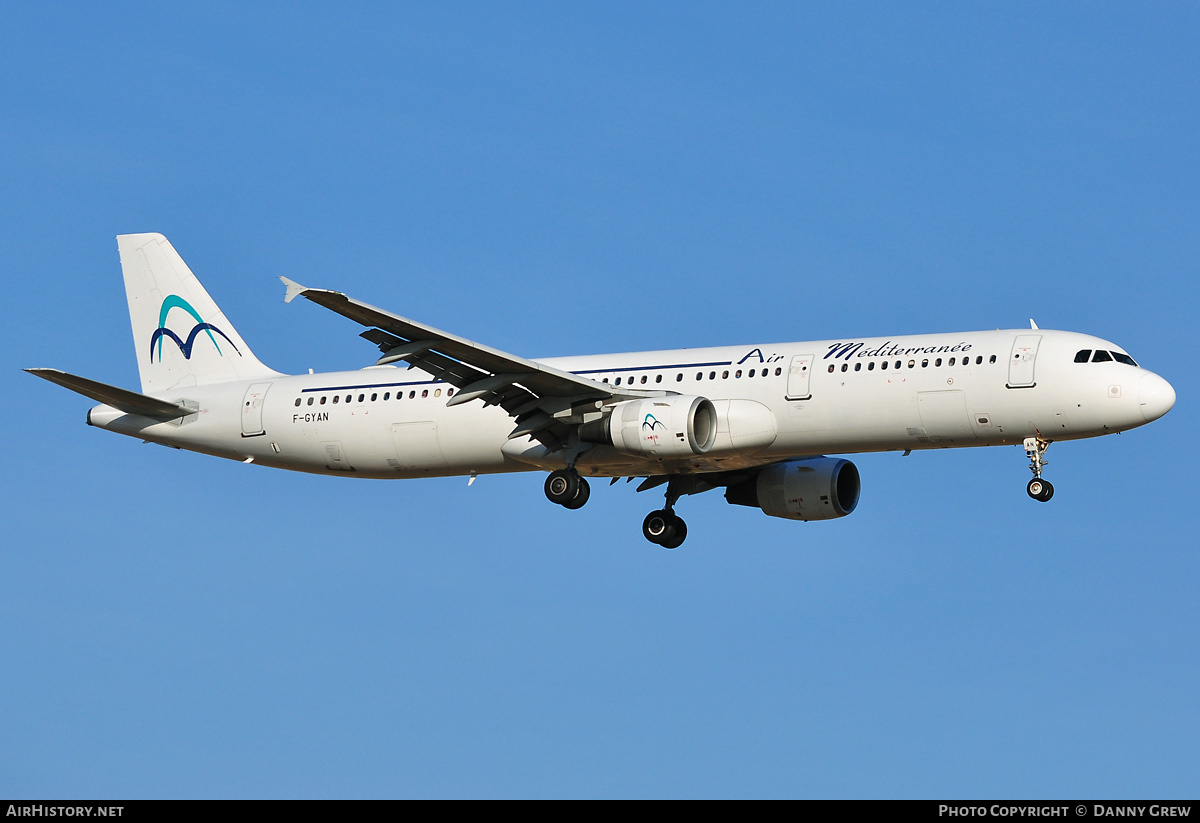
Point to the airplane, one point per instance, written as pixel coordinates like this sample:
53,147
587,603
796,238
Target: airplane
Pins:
758,420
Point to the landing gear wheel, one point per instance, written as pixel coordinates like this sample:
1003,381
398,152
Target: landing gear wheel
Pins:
562,486
1040,489
659,526
680,535
581,495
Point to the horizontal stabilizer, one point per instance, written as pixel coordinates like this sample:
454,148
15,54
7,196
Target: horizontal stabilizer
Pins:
123,399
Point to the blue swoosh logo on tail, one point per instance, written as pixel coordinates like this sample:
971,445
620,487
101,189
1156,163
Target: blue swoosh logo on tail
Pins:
174,301
185,346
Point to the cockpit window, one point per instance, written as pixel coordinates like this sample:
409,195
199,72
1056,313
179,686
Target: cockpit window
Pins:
1123,358
1083,356
1101,356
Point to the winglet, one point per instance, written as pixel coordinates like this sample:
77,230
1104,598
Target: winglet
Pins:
1033,325
294,290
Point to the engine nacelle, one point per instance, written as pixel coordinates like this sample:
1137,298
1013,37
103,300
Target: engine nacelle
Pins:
819,488
676,426
743,427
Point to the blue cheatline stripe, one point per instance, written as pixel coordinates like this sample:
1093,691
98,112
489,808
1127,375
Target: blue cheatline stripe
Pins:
374,386
588,371
652,368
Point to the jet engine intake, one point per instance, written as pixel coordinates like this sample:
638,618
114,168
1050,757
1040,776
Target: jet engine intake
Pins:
818,488
677,426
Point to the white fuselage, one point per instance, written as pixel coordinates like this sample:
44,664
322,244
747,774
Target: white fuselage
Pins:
825,397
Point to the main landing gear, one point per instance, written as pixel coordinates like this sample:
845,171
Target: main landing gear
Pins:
1038,489
566,488
663,527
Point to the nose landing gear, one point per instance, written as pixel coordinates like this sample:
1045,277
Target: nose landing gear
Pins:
1039,489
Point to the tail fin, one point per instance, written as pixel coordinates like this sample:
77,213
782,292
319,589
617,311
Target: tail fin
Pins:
182,338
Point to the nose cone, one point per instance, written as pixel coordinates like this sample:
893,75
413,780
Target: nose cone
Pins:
1156,396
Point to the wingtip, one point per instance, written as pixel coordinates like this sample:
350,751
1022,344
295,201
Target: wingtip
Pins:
294,290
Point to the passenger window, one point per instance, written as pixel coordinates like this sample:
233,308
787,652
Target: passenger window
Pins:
310,401
643,378
1083,355
992,359
751,373
412,394
871,366
618,381
737,374
297,401
658,378
858,366
387,395
1101,357
437,392
951,363
845,367
778,372
699,375
374,396
897,364
883,366
322,400
925,363
679,377
336,398
361,397
349,397
712,375
449,392
725,375
979,360
937,362
831,368
425,393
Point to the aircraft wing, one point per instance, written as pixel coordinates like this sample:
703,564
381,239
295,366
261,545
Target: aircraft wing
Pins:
543,400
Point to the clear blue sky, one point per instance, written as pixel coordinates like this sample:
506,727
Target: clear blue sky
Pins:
560,179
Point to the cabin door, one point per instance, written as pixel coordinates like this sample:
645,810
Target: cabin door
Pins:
798,377
252,410
1020,363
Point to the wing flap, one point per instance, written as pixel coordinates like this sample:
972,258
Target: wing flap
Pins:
540,378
